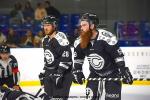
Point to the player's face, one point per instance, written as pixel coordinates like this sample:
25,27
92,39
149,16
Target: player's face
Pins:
4,56
85,34
84,26
48,29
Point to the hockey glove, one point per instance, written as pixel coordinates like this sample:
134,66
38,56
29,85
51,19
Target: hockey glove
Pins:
79,77
41,77
58,78
126,75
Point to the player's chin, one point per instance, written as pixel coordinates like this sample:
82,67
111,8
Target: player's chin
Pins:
47,33
82,33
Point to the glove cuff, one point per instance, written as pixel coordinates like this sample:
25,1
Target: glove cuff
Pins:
122,69
61,70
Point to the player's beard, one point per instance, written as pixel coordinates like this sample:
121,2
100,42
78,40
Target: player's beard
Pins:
49,32
85,38
5,56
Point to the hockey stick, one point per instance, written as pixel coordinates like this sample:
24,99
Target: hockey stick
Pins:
117,79
42,86
36,95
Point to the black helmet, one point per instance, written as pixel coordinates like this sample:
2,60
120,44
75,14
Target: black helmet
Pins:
50,20
4,49
91,18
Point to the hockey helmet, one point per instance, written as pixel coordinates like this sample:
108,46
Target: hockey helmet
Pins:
50,20
91,18
4,49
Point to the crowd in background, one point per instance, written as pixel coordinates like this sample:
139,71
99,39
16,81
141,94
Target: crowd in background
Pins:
23,27
26,14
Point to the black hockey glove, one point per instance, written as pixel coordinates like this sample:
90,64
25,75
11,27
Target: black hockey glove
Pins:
41,77
79,77
58,78
126,75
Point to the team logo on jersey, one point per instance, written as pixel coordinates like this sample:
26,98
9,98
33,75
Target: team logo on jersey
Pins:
49,56
89,94
96,61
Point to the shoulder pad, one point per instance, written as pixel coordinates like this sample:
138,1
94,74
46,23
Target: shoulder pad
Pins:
62,39
107,36
13,58
77,42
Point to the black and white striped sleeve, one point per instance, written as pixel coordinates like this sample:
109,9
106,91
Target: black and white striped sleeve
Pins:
15,70
78,56
63,49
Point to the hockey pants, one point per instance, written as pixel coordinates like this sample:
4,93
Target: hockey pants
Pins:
95,89
55,92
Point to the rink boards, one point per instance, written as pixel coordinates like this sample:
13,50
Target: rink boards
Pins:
30,61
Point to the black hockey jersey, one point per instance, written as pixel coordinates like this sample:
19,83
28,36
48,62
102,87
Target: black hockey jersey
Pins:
57,52
12,94
103,54
10,68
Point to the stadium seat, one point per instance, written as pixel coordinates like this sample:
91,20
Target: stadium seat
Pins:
16,27
37,28
146,42
123,43
64,19
75,19
4,28
27,26
121,29
64,28
74,22
4,19
145,29
132,30
134,43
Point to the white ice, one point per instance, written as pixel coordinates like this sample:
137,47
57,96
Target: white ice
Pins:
129,92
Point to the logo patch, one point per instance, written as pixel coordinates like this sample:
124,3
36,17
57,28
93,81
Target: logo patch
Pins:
112,96
49,56
96,61
89,94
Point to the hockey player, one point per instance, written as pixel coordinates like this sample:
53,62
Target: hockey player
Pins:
58,60
12,94
105,58
9,72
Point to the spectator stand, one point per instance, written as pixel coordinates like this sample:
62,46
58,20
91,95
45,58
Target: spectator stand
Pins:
64,23
133,33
